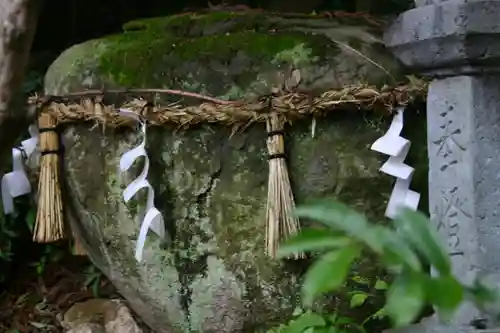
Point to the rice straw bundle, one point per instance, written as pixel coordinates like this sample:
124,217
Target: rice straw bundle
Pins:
49,225
281,220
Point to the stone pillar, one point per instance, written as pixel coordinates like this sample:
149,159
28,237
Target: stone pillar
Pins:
457,44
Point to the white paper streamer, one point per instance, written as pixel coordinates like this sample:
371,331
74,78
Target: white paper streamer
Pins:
16,183
152,218
397,148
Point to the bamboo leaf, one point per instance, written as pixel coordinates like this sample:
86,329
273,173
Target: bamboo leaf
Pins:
418,231
405,299
358,299
311,240
339,217
446,293
381,285
328,272
396,251
305,321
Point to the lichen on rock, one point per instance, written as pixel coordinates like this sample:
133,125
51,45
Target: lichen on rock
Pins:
212,273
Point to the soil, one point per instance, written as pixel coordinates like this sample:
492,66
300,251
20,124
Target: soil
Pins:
34,302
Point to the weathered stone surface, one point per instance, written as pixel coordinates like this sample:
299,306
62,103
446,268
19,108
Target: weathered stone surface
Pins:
452,37
210,186
230,55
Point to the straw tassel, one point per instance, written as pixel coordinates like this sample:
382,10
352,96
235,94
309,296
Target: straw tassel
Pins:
49,225
281,220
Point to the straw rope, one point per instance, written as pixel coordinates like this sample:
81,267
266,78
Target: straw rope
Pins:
90,106
286,106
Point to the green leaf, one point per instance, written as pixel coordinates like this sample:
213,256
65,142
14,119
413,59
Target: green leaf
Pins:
344,321
380,314
340,217
39,268
357,327
405,298
330,329
446,293
396,251
297,311
95,288
332,318
361,280
311,240
31,218
328,272
305,321
358,299
418,231
381,285
89,279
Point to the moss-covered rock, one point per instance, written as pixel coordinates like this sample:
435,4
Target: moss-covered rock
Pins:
226,54
211,186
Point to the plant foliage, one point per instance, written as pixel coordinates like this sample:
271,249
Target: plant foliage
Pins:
403,247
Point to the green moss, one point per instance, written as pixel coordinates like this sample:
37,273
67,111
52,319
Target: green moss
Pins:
229,55
254,45
157,23
127,57
134,58
155,47
195,24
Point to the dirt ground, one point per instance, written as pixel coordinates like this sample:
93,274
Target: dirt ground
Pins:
34,302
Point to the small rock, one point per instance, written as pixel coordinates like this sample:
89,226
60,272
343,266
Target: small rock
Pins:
87,328
90,311
118,319
99,316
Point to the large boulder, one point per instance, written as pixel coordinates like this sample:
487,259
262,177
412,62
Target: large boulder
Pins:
211,186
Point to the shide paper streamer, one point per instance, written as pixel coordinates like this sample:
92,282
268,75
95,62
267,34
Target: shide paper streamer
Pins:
152,218
397,148
16,183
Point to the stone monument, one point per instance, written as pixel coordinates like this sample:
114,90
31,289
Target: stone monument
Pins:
457,44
